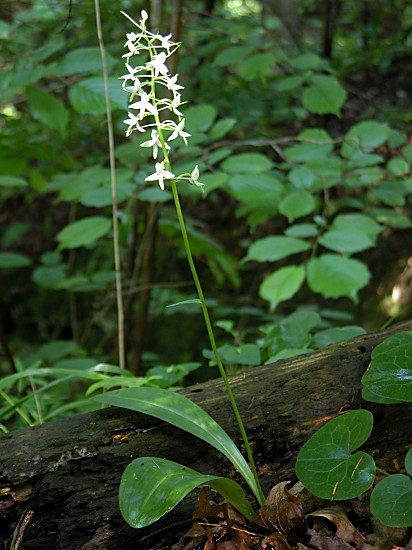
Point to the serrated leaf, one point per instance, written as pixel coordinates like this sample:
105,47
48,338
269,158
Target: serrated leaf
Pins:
282,284
247,163
14,259
48,109
325,95
83,231
150,487
326,465
297,204
87,96
348,242
271,249
183,413
366,136
334,276
391,501
390,372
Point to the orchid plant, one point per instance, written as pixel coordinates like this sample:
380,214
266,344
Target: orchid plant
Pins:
151,486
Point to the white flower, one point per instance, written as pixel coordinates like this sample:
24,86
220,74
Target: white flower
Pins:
165,41
155,143
172,85
174,104
178,131
194,177
160,175
144,15
158,64
133,123
144,105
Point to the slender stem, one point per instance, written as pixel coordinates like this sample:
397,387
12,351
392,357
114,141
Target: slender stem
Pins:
260,496
116,248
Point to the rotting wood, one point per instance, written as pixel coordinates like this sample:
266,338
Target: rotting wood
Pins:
67,472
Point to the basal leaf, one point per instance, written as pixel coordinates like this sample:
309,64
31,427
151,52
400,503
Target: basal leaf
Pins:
282,284
83,231
270,249
391,501
150,487
186,415
334,276
390,372
326,465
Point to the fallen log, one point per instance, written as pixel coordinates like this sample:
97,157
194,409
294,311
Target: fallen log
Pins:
60,480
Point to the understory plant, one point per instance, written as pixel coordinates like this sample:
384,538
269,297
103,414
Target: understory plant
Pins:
327,464
151,486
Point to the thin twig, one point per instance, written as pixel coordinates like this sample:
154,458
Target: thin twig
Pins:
120,310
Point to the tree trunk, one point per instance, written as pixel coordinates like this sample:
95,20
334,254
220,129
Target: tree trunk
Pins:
63,477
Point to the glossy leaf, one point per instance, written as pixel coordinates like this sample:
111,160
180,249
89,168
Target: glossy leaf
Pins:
150,487
186,415
390,372
83,231
270,249
334,276
282,284
326,465
391,501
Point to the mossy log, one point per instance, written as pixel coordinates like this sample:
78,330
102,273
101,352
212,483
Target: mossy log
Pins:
60,480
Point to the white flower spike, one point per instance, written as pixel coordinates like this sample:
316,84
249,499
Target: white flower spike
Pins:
155,143
178,131
160,175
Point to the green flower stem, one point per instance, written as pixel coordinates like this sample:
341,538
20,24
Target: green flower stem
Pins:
260,496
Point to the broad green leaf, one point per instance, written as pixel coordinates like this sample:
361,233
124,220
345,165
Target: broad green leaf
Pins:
199,118
229,56
12,181
259,65
186,415
14,259
359,223
84,60
247,163
150,487
334,276
83,231
87,96
154,194
336,334
288,83
316,144
325,95
287,353
297,204
390,193
365,135
302,177
407,152
49,276
282,284
48,109
270,249
391,501
302,230
102,196
246,354
390,372
306,61
348,242
398,166
390,217
326,465
221,128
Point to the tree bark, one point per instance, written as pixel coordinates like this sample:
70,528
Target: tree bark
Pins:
62,478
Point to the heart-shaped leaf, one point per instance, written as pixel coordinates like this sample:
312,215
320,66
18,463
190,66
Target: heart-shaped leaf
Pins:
151,487
179,411
390,373
326,465
391,501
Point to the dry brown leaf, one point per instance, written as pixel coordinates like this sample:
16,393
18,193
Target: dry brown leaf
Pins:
282,511
275,541
323,541
345,531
